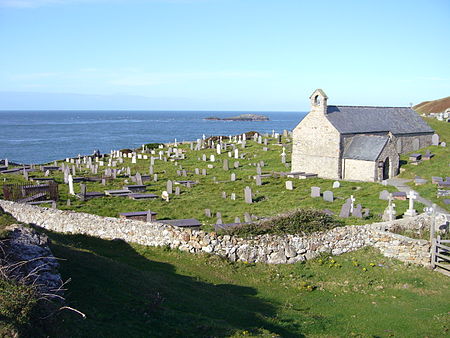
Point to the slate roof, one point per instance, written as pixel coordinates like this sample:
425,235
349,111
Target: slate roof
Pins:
365,119
363,147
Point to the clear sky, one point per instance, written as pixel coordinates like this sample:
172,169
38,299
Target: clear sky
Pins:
221,54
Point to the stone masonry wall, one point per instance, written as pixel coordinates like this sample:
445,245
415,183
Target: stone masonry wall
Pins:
270,249
315,146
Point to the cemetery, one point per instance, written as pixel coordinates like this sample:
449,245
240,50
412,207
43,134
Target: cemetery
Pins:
235,203
233,177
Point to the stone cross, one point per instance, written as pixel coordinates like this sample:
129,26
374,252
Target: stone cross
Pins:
411,196
352,201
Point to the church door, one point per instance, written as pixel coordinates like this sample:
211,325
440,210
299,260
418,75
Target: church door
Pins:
386,169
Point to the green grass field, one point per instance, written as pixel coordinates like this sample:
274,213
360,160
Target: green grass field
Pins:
135,291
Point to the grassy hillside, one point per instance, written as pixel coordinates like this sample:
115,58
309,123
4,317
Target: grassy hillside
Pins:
131,290
435,106
439,165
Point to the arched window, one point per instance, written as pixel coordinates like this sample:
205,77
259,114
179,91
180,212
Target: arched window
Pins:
317,100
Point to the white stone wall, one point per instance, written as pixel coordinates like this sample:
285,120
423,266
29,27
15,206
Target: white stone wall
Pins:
359,170
270,249
316,146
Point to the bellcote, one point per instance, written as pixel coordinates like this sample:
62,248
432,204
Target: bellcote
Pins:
319,101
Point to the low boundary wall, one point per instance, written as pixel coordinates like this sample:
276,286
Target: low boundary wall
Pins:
270,249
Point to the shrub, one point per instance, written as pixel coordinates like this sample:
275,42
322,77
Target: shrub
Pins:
152,145
17,303
299,221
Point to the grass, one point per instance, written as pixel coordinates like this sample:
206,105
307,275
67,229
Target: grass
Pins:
132,290
437,166
271,198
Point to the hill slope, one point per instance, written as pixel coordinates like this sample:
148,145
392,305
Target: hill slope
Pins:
435,106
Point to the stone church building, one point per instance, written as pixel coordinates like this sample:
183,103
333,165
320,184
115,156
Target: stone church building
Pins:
356,142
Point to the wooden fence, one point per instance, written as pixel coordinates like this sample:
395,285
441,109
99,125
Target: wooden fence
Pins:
30,193
440,253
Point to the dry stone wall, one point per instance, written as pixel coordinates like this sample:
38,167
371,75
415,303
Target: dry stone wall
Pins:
270,249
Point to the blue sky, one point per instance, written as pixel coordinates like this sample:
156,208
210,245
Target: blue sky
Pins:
221,54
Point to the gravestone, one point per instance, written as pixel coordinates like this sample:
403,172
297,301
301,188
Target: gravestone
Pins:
208,212
315,191
71,191
411,211
435,139
283,158
177,191
258,180
224,194
204,157
219,220
443,144
336,184
357,212
258,170
247,217
151,170
212,158
169,187
225,164
165,196
345,210
236,164
237,220
197,171
248,195
155,177
328,196
25,174
233,196
366,213
83,190
204,172
289,185
352,202
138,179
233,177
384,195
68,202
103,181
150,217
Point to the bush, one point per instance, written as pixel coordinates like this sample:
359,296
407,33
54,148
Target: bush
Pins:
299,221
151,146
126,151
17,303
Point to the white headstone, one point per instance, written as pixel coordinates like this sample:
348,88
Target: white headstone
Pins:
71,192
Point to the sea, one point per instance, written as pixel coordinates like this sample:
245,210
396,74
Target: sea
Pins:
37,137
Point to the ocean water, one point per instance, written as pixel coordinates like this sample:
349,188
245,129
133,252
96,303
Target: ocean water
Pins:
44,136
